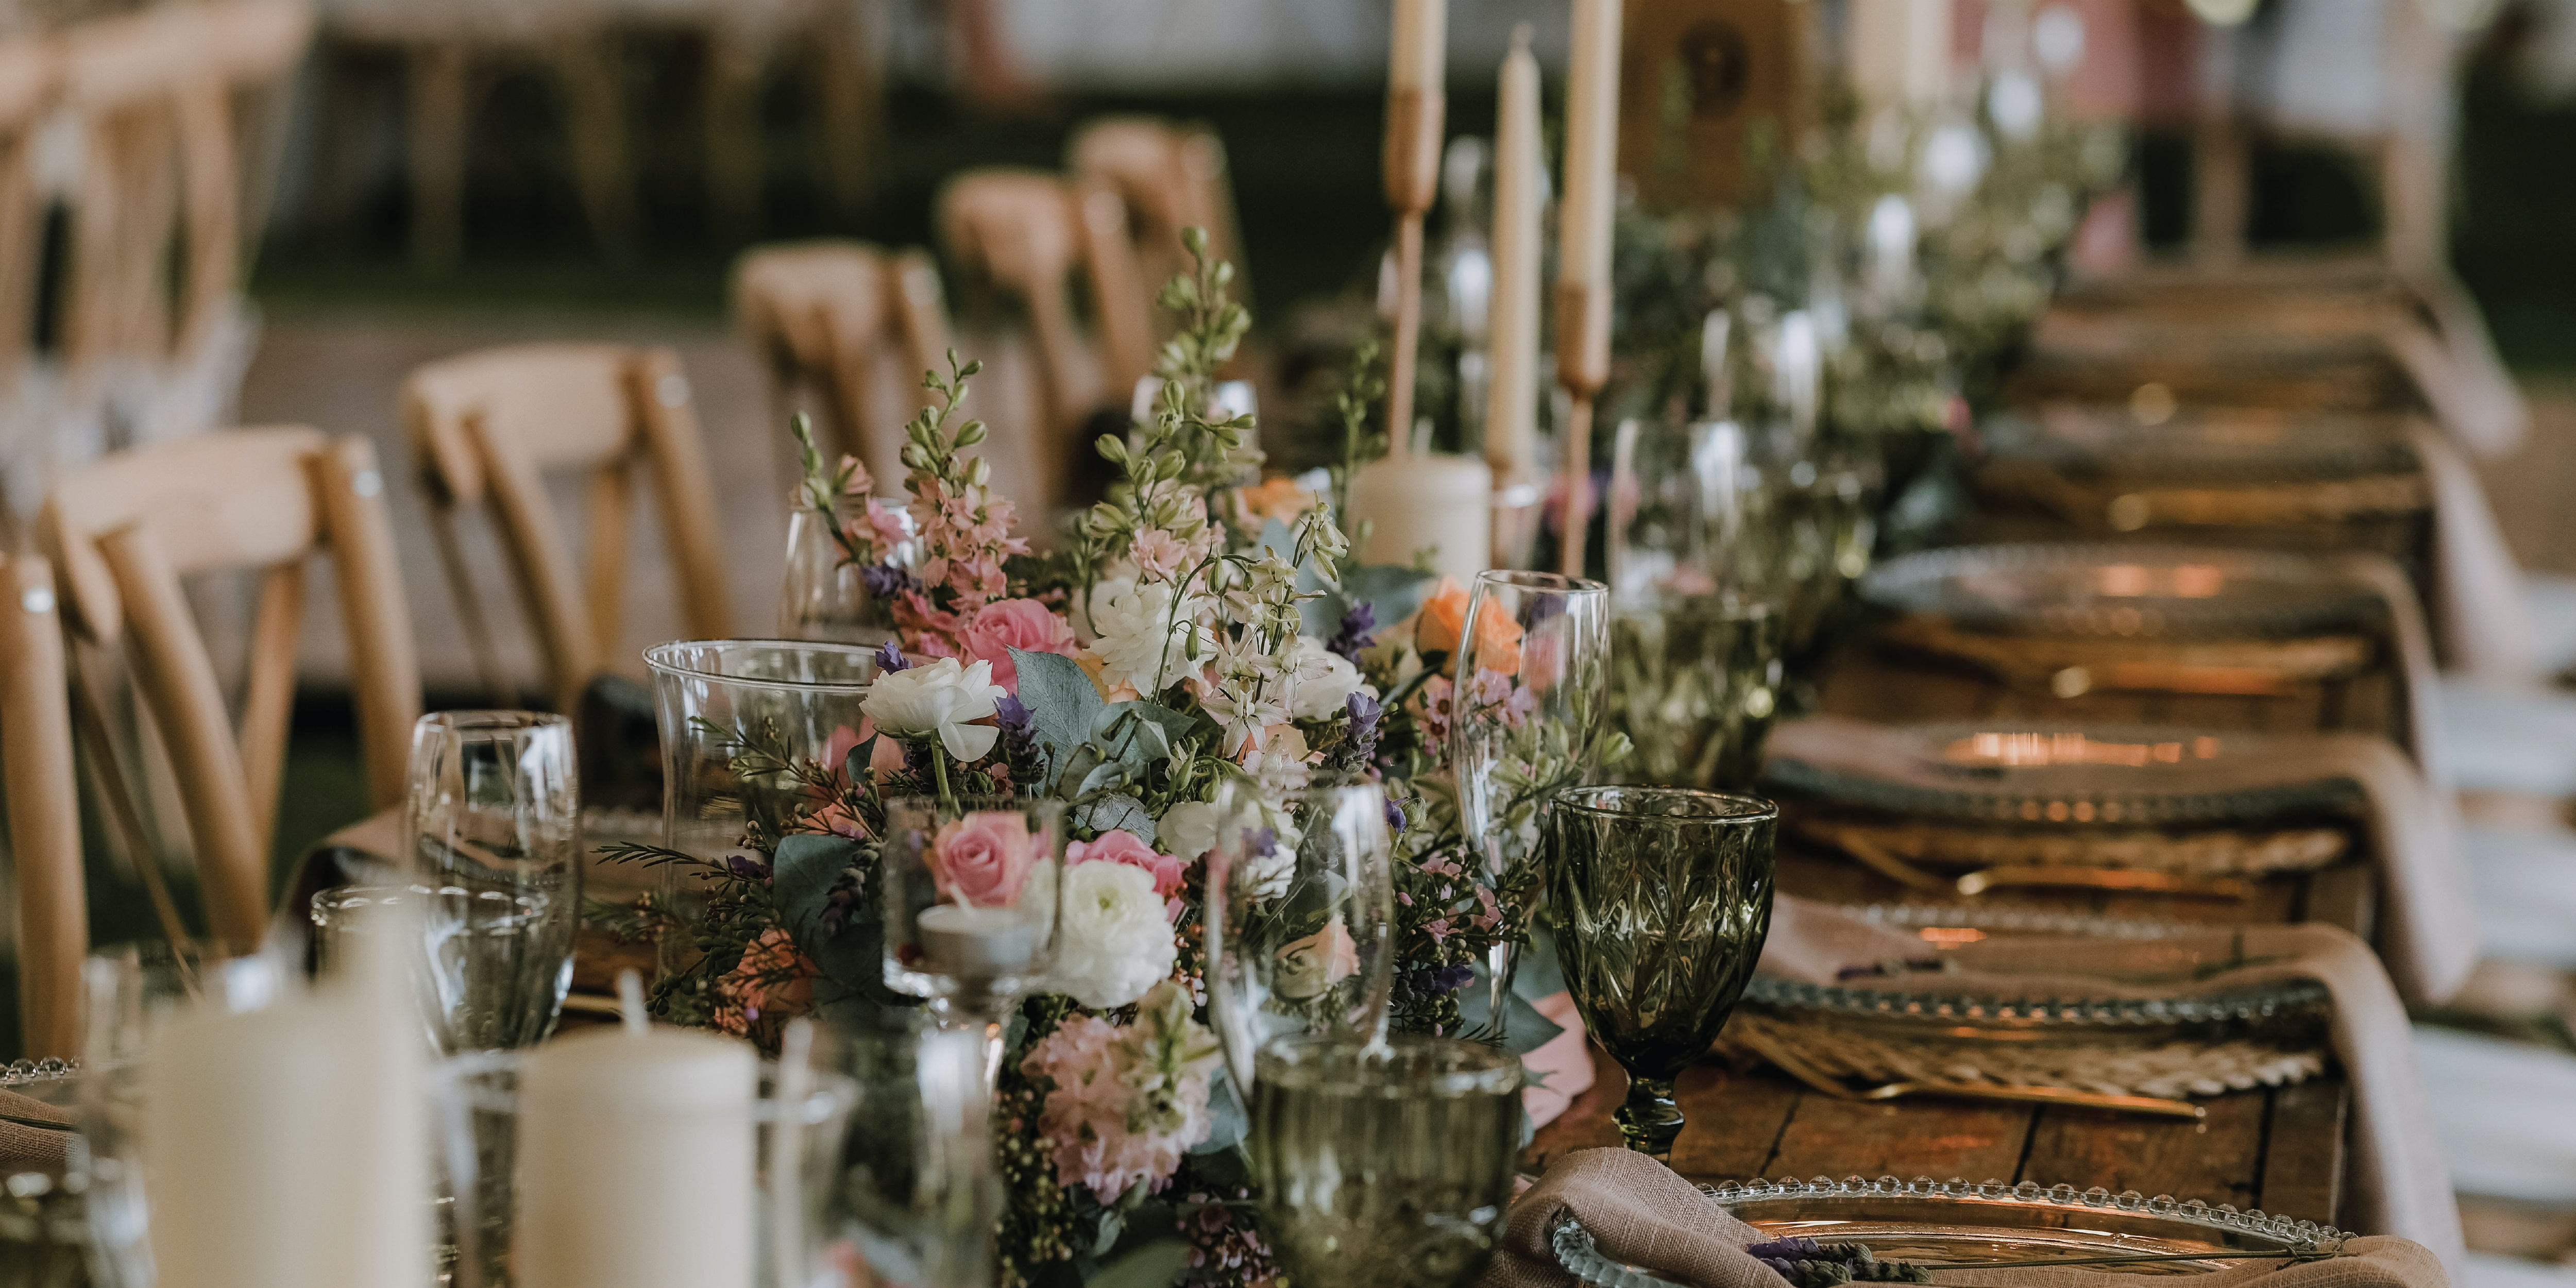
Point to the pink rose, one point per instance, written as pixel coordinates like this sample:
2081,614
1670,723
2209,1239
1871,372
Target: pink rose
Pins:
1318,961
1121,846
983,859
1023,624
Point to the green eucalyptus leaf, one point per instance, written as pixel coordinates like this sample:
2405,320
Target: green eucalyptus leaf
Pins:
1110,812
1056,689
1156,1265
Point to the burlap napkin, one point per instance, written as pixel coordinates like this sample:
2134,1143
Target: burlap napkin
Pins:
27,1147
2430,935
2400,1185
1640,1213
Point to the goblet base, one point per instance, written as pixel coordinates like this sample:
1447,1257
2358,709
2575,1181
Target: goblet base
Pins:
1651,1120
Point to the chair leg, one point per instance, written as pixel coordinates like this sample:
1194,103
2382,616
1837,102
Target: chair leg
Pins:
595,93
440,117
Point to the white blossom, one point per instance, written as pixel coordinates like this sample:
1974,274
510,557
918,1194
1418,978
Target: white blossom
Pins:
1325,681
942,698
1113,941
1141,639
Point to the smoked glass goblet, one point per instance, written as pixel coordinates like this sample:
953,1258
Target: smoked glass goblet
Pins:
1387,1164
1660,898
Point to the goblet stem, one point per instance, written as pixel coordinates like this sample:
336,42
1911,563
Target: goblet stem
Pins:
1651,1119
984,1018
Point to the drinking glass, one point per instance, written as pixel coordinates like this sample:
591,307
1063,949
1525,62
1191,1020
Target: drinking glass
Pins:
1387,1164
921,1198
970,905
799,1132
1531,684
1660,899
486,973
1694,640
1300,915
127,994
713,700
825,596
496,809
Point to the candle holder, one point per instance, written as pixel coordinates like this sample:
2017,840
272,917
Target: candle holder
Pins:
475,1105
969,887
1582,368
1413,124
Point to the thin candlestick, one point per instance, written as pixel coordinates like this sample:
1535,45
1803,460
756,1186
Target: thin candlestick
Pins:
1582,368
1408,333
1578,480
630,1002
1413,126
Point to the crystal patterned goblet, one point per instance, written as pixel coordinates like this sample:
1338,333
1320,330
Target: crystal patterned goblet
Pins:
1388,1165
1660,898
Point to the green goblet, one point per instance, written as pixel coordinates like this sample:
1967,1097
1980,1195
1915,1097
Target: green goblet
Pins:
1386,1163
1661,897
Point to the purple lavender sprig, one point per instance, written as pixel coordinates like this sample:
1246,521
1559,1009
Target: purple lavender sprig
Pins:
890,659
1358,626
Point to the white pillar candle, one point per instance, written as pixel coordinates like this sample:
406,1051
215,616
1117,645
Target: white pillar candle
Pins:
1520,197
1428,501
1591,146
287,1146
636,1161
1900,50
1421,41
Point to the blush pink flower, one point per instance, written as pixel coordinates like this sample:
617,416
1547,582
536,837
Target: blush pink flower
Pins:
830,814
1159,554
983,859
1123,1104
1317,962
1023,624
891,526
1118,845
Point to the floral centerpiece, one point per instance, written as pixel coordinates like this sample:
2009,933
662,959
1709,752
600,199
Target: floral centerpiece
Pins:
1198,626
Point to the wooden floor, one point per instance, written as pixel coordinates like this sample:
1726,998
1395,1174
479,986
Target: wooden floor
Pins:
2277,1150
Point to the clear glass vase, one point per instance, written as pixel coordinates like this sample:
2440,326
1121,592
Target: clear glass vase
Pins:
825,596
790,702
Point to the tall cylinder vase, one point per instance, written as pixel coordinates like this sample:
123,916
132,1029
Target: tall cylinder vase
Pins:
730,712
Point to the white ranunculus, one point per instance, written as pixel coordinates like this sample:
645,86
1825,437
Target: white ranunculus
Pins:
1325,680
1141,639
941,698
1113,941
1187,830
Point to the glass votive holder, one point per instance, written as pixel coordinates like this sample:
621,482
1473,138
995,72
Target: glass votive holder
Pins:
797,1145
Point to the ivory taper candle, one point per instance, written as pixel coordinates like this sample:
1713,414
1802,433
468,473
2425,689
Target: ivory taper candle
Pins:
1900,50
636,1161
1520,197
1421,43
1414,108
1416,502
1591,146
286,1146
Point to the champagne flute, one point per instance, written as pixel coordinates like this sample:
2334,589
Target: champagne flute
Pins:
495,809
1387,1164
1529,688
969,885
1660,899
1300,915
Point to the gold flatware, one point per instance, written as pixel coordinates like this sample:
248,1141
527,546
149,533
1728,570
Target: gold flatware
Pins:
1796,1067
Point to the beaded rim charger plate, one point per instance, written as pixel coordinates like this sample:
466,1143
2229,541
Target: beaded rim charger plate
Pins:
2124,591
1933,1224
2085,775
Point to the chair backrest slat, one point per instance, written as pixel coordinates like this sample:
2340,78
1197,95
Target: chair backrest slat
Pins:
44,811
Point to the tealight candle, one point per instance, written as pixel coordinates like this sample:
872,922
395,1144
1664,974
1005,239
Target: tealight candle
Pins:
977,943
636,1164
1428,501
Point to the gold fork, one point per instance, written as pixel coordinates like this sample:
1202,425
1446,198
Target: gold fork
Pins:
1827,1083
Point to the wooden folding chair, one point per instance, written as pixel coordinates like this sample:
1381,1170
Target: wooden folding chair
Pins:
43,810
127,528
1170,176
1018,230
487,424
823,315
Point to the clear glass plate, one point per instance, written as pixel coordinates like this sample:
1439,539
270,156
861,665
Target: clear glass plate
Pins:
2080,775
2125,591
1955,1223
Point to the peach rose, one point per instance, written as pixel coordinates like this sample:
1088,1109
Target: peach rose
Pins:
772,977
1442,623
1277,497
1023,624
983,859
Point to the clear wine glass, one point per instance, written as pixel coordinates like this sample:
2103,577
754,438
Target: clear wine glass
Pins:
1529,689
495,809
1386,1164
1300,915
483,968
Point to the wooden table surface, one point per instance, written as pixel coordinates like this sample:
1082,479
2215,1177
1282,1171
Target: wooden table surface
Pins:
2278,1150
